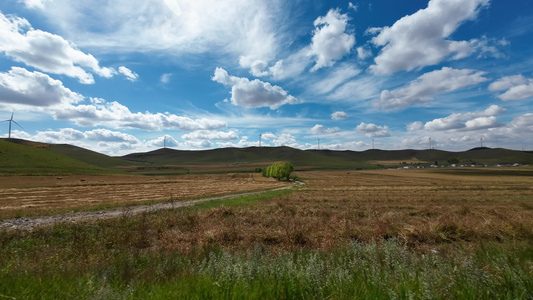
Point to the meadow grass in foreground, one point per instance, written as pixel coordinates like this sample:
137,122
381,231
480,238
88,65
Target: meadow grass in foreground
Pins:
373,235
375,270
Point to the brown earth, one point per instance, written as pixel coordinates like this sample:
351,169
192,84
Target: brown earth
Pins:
34,195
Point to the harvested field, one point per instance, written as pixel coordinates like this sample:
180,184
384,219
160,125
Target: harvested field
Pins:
33,195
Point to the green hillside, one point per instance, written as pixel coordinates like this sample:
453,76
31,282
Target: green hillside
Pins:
35,159
27,157
301,159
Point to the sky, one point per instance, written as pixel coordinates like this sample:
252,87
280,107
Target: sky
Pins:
129,76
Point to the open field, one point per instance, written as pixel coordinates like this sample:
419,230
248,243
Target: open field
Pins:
34,195
380,234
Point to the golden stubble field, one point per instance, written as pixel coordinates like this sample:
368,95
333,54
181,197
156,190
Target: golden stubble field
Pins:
422,209
38,194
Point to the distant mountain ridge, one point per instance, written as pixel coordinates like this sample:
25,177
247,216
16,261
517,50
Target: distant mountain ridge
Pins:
25,156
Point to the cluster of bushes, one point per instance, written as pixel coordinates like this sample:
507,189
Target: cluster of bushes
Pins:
278,170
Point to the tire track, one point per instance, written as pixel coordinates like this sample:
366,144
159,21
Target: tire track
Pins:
31,223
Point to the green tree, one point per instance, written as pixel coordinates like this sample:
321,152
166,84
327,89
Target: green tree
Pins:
278,170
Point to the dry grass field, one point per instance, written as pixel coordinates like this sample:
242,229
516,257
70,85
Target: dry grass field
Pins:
384,234
34,195
423,209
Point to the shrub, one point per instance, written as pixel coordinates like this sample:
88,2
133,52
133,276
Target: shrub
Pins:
278,170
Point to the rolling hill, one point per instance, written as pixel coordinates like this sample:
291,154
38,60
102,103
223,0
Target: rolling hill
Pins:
27,157
30,158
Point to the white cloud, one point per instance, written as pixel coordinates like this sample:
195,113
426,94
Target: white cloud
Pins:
291,66
22,87
517,87
476,120
339,115
320,129
253,93
424,87
162,141
165,78
130,75
268,136
330,42
286,139
482,123
357,89
415,126
38,91
421,39
354,146
210,135
47,52
108,136
335,78
108,141
237,27
363,53
201,144
418,142
34,3
373,130
352,6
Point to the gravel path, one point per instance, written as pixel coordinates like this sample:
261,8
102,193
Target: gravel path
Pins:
31,223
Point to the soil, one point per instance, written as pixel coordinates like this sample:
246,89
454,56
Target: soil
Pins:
40,195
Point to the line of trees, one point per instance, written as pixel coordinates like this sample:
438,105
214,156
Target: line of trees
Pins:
279,170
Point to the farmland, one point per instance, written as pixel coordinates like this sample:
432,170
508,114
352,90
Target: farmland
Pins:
420,233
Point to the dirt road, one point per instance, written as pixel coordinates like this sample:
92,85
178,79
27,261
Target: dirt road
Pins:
30,223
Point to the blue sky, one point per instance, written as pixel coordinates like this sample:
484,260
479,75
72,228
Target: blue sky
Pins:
122,76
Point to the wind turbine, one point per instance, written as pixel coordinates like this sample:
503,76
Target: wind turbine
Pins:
11,121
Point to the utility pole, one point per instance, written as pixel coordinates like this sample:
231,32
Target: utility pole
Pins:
481,142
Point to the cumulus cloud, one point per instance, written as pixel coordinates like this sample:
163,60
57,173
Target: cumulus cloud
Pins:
130,75
415,126
268,136
373,130
320,129
285,139
47,52
421,39
474,120
330,42
354,146
22,87
516,87
210,135
108,136
74,136
291,66
163,141
339,115
38,91
424,87
165,78
363,53
253,93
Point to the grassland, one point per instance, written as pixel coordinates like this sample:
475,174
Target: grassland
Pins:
385,234
35,159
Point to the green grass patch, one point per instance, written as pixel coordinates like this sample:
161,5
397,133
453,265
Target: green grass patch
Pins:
16,159
376,270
